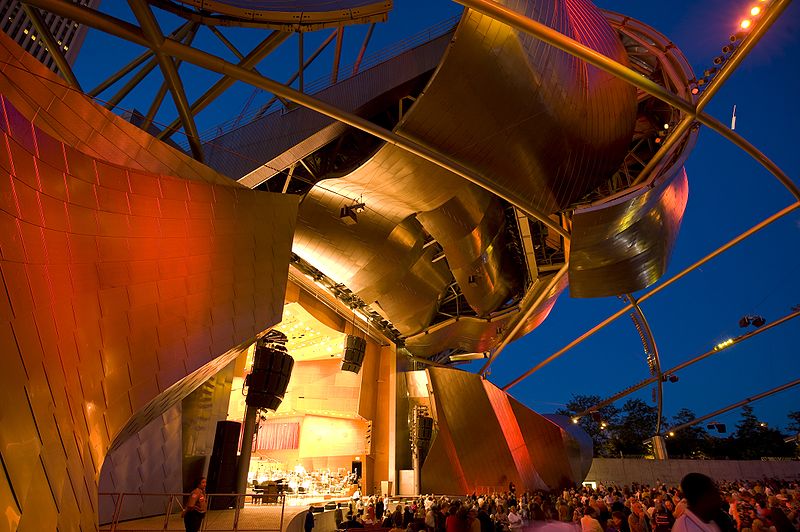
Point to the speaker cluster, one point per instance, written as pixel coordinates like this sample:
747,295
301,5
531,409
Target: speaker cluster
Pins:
272,368
354,348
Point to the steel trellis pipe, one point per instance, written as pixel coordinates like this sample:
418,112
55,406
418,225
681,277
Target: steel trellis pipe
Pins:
649,332
130,32
525,314
562,42
756,228
638,386
56,52
737,405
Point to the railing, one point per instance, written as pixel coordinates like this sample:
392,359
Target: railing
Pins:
263,512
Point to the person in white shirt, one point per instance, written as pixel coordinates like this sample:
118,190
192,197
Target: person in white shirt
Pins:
589,522
703,505
514,519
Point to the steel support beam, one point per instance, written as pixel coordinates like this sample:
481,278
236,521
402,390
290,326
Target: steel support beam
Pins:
264,48
652,340
684,125
300,59
363,49
337,54
292,79
524,315
737,405
53,47
156,40
178,33
162,90
717,349
753,230
562,42
132,33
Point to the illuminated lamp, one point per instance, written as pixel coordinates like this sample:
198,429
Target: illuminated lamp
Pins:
755,10
353,356
746,23
575,420
695,90
672,434
272,367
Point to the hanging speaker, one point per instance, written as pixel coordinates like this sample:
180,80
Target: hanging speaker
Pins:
424,428
272,368
353,357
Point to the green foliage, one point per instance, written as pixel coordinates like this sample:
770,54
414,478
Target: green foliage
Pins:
628,429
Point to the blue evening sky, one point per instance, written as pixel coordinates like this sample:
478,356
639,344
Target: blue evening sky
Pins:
729,192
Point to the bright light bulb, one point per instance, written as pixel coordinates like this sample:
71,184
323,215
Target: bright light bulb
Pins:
745,24
755,11
672,434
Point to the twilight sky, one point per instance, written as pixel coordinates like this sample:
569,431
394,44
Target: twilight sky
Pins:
729,193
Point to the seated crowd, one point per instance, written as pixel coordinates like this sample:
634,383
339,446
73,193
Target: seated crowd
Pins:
698,505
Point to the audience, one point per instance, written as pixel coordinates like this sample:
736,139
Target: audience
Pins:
697,505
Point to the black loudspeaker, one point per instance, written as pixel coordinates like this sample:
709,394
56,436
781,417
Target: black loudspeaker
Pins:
354,348
424,428
222,467
272,368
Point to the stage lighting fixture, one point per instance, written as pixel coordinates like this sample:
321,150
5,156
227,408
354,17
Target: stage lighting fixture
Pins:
672,434
673,378
718,60
710,72
719,427
575,420
745,23
755,10
758,321
695,90
348,216
728,48
762,425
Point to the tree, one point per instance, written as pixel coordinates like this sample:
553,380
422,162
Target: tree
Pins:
593,424
637,424
794,425
691,442
754,439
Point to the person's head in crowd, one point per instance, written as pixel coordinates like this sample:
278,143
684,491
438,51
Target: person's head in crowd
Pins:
702,496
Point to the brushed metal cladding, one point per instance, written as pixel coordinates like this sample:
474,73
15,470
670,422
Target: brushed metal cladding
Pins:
280,138
471,230
624,245
381,258
475,334
578,444
543,125
486,439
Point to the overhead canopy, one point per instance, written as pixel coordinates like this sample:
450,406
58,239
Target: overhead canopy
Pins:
280,14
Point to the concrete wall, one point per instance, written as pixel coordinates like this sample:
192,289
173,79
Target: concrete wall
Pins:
628,470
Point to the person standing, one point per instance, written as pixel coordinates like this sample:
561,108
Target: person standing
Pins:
379,509
703,504
196,507
308,525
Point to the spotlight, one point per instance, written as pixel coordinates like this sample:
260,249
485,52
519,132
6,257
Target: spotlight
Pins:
348,215
710,72
575,420
695,90
758,321
745,23
719,427
727,49
666,126
762,425
718,60
658,140
673,378
672,434
755,11
755,321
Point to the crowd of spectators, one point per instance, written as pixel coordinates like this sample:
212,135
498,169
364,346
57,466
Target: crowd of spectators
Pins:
697,505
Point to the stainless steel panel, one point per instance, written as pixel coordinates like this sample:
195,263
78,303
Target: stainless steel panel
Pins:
624,245
486,439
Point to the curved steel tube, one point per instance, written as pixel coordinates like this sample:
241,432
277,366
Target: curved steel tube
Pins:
651,339
132,33
560,41
756,228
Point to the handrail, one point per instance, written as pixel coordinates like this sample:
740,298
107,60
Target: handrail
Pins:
170,511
